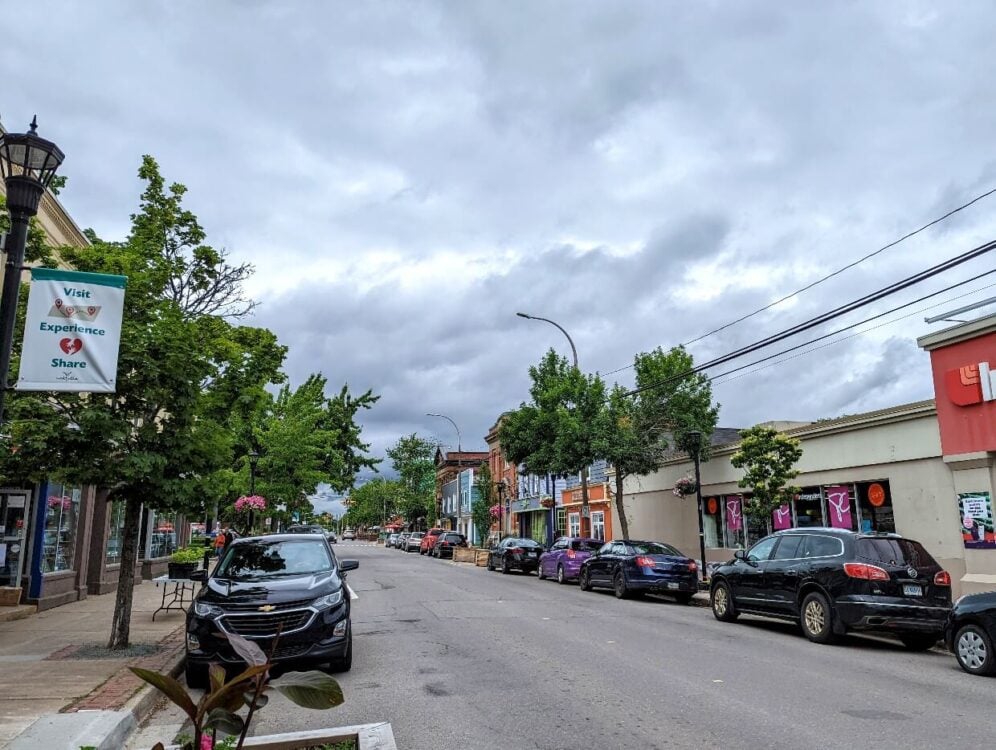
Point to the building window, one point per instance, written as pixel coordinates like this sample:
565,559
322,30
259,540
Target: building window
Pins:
115,535
574,524
875,506
712,521
62,512
163,536
809,508
561,522
598,525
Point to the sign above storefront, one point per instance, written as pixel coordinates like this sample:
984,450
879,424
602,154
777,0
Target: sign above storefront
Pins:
971,384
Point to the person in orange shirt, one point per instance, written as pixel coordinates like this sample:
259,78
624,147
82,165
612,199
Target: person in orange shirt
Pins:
220,542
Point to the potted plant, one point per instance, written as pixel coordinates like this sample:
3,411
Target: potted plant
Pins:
685,486
184,561
548,502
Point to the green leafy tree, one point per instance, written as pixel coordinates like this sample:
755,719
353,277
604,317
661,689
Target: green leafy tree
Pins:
636,432
768,459
412,457
557,432
374,503
487,496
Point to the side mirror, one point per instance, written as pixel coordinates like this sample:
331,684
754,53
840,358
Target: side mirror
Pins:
740,555
346,565
199,575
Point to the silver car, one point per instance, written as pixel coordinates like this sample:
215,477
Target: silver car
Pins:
414,541
399,543
391,540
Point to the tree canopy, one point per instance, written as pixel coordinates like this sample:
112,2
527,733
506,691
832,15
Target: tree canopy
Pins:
768,459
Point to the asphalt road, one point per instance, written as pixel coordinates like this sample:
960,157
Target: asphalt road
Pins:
457,658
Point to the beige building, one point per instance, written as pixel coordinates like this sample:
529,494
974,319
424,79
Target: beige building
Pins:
925,470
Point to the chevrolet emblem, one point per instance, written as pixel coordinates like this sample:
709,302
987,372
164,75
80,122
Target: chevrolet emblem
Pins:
267,608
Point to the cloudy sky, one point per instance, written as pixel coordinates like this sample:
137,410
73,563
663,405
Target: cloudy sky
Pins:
406,176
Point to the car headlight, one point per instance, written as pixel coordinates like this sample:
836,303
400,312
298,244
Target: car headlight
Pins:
324,602
203,609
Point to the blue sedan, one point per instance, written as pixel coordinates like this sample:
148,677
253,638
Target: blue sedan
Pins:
634,567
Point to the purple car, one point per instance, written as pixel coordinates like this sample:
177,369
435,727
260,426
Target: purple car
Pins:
563,560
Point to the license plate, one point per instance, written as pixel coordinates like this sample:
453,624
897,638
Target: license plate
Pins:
912,590
672,585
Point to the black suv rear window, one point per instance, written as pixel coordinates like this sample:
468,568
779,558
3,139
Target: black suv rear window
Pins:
453,538
895,552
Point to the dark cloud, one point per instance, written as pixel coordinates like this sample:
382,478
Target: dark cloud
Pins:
408,176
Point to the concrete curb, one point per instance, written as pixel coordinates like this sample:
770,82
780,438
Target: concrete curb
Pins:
20,612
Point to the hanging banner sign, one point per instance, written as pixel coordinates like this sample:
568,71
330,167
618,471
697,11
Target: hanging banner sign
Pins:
72,332
839,502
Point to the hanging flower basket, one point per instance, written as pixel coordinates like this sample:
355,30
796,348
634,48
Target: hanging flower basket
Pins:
684,487
250,502
496,510
548,502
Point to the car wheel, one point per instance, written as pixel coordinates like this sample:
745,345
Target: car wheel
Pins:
196,675
539,572
561,578
974,651
619,586
346,662
584,580
683,598
817,618
505,567
723,608
491,565
918,641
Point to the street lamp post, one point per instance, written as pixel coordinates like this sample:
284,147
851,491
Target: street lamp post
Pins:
585,511
695,445
502,489
253,460
27,164
459,450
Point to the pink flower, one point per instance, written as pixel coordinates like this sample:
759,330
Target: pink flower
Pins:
206,743
250,502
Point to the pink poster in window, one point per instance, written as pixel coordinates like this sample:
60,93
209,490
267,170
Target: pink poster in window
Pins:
782,518
839,506
734,514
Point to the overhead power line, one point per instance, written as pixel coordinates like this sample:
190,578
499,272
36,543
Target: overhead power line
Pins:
830,275
830,315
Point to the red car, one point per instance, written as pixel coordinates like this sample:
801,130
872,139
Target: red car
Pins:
429,540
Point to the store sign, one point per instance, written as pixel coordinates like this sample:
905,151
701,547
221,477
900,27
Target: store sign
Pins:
782,518
839,506
971,384
734,514
72,332
876,495
976,510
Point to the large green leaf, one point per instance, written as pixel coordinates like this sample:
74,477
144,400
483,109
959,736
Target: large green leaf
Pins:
250,652
224,721
230,695
309,689
170,688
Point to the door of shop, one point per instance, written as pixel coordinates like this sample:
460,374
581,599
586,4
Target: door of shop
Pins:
14,507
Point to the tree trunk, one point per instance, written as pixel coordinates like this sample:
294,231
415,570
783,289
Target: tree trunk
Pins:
586,510
620,510
121,622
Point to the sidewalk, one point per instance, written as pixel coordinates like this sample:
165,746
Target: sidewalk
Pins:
40,675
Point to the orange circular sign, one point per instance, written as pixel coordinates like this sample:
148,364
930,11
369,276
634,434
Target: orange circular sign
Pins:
712,506
876,495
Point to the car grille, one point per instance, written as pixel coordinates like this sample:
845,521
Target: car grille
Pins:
254,606
288,652
266,625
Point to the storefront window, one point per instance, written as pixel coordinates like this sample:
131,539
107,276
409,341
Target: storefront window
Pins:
575,524
116,533
163,536
561,522
62,510
598,525
731,507
809,508
875,506
712,521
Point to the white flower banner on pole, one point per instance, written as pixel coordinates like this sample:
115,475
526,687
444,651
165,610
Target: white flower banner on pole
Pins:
72,332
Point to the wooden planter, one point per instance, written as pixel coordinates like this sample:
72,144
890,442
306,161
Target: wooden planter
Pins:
367,737
465,555
482,557
9,596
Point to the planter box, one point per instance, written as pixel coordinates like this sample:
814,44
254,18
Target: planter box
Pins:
367,737
482,557
465,555
9,596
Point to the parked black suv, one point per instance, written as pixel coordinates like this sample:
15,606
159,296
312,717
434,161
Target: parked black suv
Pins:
286,582
832,581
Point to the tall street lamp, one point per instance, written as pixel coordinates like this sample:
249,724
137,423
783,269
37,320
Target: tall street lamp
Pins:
694,442
502,489
459,450
253,460
27,164
585,511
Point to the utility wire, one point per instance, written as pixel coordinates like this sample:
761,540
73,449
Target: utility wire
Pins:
828,316
830,275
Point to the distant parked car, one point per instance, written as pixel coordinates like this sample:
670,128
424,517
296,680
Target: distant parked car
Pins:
971,632
515,554
429,541
447,542
348,534
833,580
401,542
635,567
392,539
563,560
413,542
331,537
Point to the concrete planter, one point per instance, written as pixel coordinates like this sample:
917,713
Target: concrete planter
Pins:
9,596
367,737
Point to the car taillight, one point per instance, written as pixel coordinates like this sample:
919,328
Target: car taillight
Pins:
517,550
942,579
693,566
571,554
645,562
865,572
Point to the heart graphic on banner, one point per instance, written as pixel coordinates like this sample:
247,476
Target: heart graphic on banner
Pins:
58,303
91,310
71,346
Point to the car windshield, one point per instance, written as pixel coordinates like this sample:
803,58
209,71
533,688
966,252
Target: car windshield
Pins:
654,548
586,545
270,559
895,552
